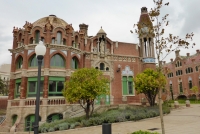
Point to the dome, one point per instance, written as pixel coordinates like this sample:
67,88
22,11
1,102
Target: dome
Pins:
101,31
55,21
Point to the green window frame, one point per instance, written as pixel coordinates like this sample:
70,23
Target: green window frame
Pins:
29,122
37,36
33,62
17,88
32,86
56,84
57,61
19,63
74,63
127,85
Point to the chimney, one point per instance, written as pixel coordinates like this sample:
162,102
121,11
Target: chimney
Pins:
171,60
143,10
197,51
84,28
188,54
177,53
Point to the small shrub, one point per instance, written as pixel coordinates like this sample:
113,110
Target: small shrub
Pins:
72,126
51,129
144,132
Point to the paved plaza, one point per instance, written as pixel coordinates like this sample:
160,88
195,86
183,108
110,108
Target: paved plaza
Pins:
184,120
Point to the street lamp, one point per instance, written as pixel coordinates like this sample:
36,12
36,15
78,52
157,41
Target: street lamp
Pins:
40,51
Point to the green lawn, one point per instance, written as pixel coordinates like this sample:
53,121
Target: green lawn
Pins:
183,101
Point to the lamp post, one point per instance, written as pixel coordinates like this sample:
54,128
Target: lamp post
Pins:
40,51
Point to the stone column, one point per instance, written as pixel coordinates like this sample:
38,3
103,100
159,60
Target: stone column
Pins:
45,88
112,48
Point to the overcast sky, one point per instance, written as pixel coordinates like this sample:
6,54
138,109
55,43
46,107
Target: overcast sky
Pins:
117,18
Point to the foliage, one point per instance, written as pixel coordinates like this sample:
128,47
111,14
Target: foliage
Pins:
195,89
84,86
148,82
110,116
144,132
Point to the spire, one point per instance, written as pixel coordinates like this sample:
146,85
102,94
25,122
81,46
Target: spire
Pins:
101,31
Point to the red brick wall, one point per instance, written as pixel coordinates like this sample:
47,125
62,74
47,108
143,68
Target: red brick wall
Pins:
3,102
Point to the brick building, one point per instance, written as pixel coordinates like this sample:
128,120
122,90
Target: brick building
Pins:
182,74
68,50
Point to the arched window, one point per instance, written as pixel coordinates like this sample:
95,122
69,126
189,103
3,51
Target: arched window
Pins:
107,69
37,36
74,63
188,70
14,118
57,61
53,41
56,116
59,38
101,66
76,42
33,62
29,122
19,62
190,82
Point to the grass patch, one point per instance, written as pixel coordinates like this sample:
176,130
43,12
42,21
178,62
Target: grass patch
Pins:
144,132
182,101
111,116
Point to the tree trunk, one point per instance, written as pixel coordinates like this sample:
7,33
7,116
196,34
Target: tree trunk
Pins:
87,109
161,111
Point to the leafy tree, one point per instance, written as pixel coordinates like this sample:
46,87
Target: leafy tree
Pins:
2,87
84,86
195,90
149,82
163,45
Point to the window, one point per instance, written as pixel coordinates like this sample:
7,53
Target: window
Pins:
56,85
178,63
29,122
17,88
57,61
19,62
197,69
74,63
188,70
101,66
32,86
127,83
53,41
179,72
170,87
37,36
170,75
190,84
14,118
59,38
107,69
33,62
180,87
54,117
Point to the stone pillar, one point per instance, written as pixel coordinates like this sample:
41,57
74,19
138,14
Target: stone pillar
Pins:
23,89
11,89
144,54
92,46
112,48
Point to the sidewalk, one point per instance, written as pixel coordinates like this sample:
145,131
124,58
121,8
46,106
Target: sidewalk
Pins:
185,120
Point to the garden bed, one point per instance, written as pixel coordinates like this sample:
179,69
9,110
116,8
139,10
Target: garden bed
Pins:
110,116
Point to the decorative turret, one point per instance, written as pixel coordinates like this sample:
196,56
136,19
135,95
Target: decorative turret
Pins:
83,27
146,35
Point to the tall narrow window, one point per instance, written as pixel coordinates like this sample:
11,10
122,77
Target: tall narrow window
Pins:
59,38
37,36
19,62
101,66
127,83
190,84
180,87
74,63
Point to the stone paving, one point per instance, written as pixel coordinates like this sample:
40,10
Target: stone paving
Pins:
184,120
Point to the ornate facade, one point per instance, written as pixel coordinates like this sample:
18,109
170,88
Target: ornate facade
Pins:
68,50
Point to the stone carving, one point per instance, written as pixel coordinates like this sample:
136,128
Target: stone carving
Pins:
127,71
102,47
56,73
87,56
95,49
46,71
